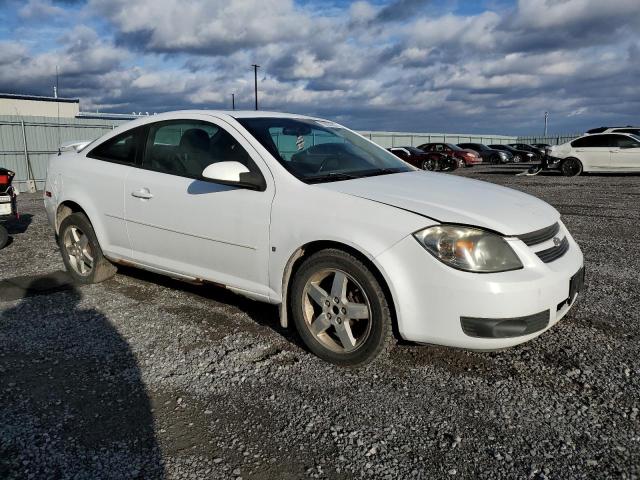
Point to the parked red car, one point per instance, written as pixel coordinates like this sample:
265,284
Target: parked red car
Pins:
425,160
469,158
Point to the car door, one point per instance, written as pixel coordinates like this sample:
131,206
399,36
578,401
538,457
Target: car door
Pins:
625,154
102,174
180,223
593,151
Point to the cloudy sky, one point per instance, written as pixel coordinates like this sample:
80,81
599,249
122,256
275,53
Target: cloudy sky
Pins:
492,66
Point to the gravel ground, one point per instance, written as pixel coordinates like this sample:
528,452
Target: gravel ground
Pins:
146,377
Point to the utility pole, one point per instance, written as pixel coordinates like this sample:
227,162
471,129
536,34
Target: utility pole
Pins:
255,82
233,101
546,119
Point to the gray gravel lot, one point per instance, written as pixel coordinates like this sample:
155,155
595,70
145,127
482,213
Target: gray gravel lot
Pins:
146,377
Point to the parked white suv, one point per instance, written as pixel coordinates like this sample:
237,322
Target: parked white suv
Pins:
349,240
599,152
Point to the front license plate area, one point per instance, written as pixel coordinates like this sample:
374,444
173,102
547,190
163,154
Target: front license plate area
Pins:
5,209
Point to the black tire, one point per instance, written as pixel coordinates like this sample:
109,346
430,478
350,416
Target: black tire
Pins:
428,164
379,336
4,237
571,167
495,159
101,269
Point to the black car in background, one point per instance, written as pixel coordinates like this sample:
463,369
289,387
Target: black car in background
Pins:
488,155
541,146
518,155
538,152
425,160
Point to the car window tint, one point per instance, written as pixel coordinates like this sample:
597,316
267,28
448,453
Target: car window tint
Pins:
122,148
622,141
589,141
186,148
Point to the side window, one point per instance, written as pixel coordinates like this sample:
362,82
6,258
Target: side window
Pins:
589,141
439,147
187,147
120,149
622,141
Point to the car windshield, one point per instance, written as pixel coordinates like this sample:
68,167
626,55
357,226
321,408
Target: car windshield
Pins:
318,151
452,146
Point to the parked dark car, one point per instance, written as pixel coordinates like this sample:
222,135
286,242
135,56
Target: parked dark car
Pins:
518,155
487,154
542,146
467,158
538,152
425,160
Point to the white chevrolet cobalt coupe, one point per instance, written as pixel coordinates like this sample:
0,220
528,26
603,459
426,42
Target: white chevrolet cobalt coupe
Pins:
349,240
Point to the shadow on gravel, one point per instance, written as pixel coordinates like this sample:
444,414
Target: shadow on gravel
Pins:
263,314
17,226
72,400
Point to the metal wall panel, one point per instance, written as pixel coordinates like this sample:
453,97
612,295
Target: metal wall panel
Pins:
43,136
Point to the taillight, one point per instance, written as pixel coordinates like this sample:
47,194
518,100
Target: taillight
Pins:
4,179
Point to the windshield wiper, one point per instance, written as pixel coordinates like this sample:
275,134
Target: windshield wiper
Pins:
380,171
330,177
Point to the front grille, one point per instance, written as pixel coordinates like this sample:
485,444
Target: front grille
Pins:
539,236
555,252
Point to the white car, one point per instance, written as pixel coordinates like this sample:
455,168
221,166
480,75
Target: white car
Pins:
599,152
349,240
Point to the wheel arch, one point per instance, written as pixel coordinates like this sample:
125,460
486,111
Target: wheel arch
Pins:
302,252
66,208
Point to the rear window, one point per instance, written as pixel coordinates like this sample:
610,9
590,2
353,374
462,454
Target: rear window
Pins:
120,149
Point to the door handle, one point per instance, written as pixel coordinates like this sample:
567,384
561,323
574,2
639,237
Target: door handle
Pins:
142,193
615,151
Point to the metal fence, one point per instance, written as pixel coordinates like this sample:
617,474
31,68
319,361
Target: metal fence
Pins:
409,139
551,140
27,142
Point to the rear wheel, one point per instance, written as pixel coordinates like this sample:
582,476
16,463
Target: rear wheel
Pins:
81,252
571,167
340,310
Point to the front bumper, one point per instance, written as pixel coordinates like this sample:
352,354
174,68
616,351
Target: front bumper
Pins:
432,299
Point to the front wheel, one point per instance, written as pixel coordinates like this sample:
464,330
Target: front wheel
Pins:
428,164
571,167
81,252
340,310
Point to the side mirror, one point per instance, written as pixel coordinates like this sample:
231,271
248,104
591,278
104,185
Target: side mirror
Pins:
235,174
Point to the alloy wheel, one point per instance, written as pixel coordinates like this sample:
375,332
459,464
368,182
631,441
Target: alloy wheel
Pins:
336,310
76,244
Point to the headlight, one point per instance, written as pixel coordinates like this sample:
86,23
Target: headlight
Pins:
502,154
469,249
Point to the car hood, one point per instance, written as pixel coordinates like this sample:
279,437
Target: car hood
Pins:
451,199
